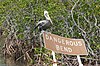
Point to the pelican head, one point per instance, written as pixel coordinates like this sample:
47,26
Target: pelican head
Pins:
47,16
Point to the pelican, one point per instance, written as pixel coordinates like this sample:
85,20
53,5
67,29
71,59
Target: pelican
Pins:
44,24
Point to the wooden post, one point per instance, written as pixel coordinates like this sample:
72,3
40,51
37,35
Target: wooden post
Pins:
41,44
54,59
40,40
79,60
96,63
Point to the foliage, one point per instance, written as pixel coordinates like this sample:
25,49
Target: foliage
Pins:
71,18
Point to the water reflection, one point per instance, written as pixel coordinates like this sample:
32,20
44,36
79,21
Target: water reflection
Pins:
2,62
11,62
8,61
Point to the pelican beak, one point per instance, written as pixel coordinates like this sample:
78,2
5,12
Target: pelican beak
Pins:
51,21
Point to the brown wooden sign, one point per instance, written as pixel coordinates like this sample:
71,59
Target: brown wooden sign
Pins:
64,45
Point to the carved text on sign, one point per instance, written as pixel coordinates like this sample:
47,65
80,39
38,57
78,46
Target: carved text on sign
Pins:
64,45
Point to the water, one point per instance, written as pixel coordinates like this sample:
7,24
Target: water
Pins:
2,61
7,61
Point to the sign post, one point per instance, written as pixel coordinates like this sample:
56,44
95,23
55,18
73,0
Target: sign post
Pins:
63,45
79,60
54,59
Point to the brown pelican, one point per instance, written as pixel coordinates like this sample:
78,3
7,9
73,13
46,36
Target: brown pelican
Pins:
44,24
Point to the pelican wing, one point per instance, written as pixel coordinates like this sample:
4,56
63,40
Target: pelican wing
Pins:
40,23
43,22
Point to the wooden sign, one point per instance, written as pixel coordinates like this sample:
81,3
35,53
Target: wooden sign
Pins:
64,45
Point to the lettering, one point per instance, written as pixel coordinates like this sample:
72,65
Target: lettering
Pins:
62,48
76,43
57,47
55,39
51,38
47,37
71,43
64,41
67,42
59,41
64,45
80,43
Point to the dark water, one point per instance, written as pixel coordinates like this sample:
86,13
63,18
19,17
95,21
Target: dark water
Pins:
7,61
2,61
